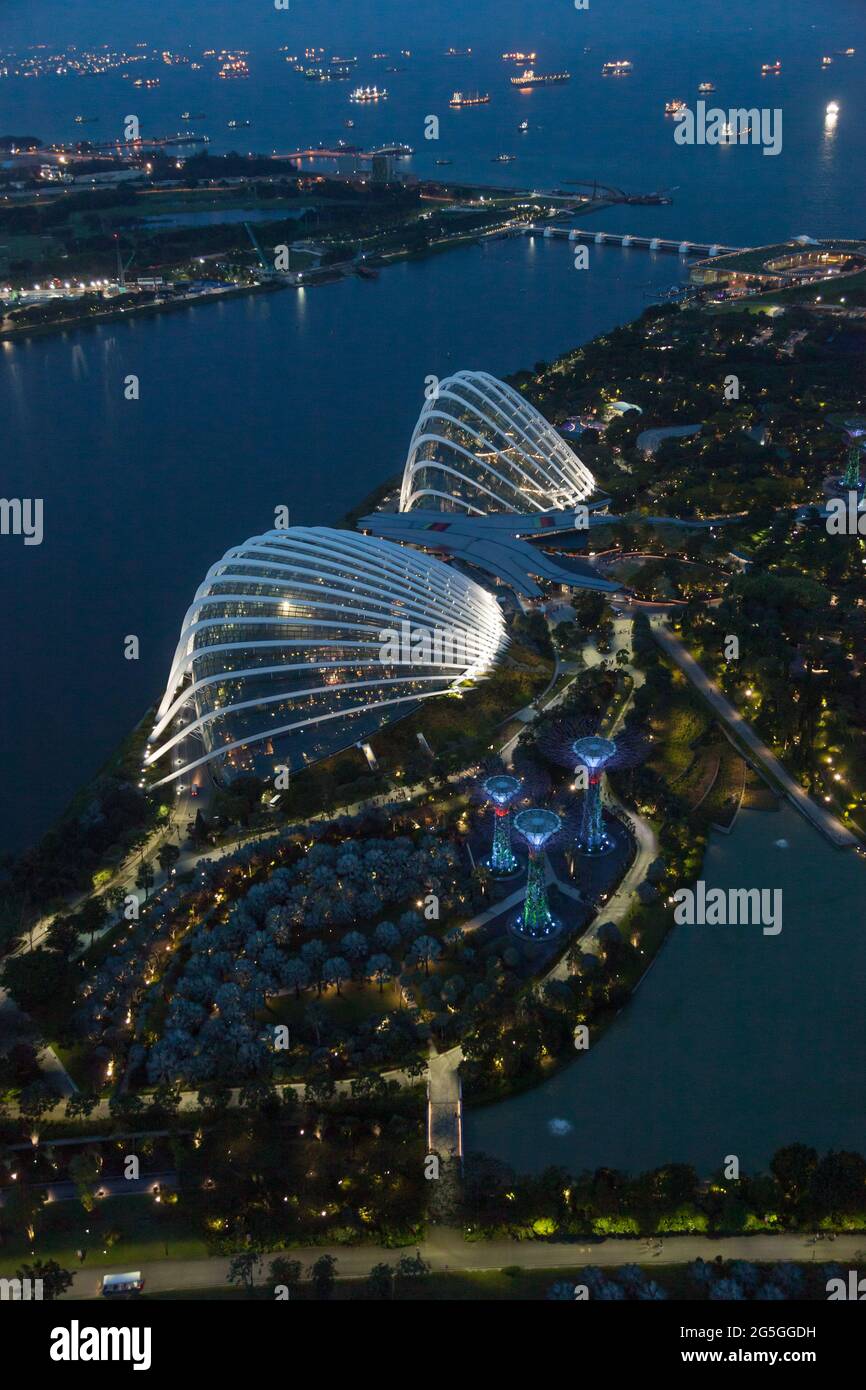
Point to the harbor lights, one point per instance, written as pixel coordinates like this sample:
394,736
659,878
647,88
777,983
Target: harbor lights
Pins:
535,920
594,753
501,791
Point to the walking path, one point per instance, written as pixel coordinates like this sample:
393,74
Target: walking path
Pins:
445,1250
823,820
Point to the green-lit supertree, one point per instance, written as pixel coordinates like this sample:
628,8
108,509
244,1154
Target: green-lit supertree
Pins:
501,790
536,920
854,433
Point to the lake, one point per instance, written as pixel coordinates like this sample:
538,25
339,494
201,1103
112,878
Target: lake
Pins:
737,1043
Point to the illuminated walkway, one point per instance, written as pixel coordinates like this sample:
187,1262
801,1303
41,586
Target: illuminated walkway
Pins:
767,761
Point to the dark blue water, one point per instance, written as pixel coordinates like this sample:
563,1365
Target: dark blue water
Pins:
309,399
306,399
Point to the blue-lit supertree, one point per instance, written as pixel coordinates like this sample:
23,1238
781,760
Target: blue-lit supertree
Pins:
501,790
594,754
535,919
576,743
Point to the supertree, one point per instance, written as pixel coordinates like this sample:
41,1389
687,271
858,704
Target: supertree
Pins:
594,754
538,827
855,430
500,790
576,743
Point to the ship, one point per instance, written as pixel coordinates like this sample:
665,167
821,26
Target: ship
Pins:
503,158
192,115
233,68
350,125
706,87
523,127
239,125
846,52
519,57
368,94
400,151
530,78
148,82
826,62
771,69
672,107
618,67
457,52
444,161
85,120
470,99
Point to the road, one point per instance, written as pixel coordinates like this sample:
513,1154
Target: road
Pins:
445,1250
767,761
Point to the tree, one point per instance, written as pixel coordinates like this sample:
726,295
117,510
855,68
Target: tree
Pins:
381,969
36,1100
167,856
92,917
285,1272
380,1281
336,971
34,978
322,1276
410,1268
55,1279
84,1169
243,1270
22,1208
424,950
82,1104
144,877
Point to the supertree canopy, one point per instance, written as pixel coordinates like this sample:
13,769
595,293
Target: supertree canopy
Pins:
535,919
501,789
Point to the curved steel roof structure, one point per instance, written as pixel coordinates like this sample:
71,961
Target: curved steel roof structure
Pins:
480,447
302,641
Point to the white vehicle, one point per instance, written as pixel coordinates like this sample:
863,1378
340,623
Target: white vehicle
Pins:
122,1285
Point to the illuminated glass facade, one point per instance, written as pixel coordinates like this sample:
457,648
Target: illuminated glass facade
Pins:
303,641
479,447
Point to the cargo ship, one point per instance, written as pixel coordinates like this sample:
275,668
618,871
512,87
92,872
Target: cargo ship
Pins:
458,52
618,67
771,69
530,78
470,99
672,107
503,158
519,57
706,87
368,94
239,125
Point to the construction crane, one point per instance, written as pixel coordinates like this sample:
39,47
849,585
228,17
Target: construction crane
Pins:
122,266
268,270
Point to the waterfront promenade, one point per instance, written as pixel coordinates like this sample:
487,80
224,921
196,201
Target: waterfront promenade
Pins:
766,761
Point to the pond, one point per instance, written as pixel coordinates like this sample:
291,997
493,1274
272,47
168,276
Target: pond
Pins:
735,1043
